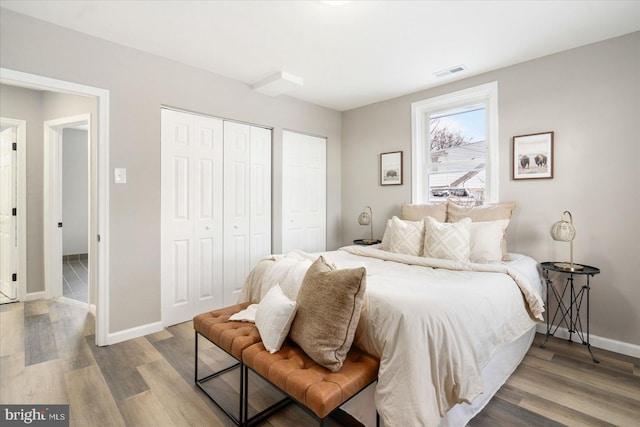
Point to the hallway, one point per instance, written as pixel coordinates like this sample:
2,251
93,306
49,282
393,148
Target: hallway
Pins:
75,274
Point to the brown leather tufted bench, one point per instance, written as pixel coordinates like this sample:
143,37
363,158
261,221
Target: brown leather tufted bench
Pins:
316,388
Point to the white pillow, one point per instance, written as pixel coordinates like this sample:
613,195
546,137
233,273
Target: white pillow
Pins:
274,317
486,240
386,237
406,237
446,240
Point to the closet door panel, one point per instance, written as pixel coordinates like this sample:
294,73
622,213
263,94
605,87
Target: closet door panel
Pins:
237,159
260,195
303,192
208,234
177,217
191,224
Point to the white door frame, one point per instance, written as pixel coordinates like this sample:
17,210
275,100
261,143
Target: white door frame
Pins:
33,81
21,201
52,190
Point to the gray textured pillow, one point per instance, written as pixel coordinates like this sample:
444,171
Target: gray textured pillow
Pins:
329,304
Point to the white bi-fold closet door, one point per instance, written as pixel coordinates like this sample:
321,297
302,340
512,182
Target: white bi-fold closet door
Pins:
304,192
216,210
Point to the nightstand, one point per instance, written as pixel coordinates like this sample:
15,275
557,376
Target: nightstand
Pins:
366,242
569,315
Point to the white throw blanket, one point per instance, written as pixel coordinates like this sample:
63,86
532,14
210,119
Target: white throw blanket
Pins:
433,323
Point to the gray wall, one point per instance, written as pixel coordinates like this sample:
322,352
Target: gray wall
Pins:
75,191
25,104
590,98
139,84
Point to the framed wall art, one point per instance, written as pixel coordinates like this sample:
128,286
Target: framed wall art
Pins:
532,156
391,168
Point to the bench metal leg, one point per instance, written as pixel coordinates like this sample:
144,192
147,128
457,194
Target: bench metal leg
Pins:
240,420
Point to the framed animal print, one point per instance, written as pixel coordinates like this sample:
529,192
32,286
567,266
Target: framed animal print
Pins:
533,156
391,168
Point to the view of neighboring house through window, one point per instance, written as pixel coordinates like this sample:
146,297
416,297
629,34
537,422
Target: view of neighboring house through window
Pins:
458,149
455,146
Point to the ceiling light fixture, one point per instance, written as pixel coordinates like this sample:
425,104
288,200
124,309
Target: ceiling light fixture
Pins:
450,71
278,83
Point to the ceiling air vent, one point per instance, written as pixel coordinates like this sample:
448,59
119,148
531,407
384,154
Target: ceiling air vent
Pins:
449,71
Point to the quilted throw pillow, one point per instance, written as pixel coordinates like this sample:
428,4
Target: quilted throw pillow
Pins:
447,240
406,237
329,304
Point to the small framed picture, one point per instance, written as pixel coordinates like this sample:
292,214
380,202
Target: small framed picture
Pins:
533,156
391,168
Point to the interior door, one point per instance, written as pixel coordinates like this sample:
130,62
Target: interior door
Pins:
191,199
304,197
8,237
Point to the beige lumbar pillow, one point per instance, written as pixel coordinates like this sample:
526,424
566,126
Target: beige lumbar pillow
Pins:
447,240
438,211
329,304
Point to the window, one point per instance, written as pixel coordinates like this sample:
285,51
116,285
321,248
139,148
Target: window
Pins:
455,146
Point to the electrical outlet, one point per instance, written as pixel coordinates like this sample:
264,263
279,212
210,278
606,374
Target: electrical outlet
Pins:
120,175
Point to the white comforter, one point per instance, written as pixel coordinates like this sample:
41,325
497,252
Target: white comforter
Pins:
433,323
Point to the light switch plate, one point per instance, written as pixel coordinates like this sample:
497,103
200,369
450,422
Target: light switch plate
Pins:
120,175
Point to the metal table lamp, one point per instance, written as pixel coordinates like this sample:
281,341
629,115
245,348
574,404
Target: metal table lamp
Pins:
563,231
367,219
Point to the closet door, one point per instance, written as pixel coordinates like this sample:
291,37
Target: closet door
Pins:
191,199
260,195
247,203
304,194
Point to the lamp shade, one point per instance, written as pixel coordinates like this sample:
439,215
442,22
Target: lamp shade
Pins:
563,231
364,218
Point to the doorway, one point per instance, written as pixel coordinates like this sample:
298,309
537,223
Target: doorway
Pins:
99,218
75,213
67,252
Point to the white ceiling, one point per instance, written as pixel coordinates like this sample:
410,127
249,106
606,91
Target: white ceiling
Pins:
349,55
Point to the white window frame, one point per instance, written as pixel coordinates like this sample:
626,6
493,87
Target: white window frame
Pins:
421,159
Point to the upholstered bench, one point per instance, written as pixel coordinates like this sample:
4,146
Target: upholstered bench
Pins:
233,338
314,387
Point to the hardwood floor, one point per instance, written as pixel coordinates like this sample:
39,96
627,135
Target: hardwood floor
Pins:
48,356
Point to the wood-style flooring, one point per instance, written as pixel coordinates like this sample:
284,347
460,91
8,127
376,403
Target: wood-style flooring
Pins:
48,356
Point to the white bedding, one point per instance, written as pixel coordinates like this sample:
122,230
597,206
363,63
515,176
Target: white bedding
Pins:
433,323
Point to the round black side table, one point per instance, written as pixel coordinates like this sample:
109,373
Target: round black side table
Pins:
569,315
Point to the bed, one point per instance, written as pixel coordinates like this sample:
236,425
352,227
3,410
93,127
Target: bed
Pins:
448,333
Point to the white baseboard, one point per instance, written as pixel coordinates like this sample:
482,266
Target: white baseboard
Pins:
621,347
34,296
138,331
